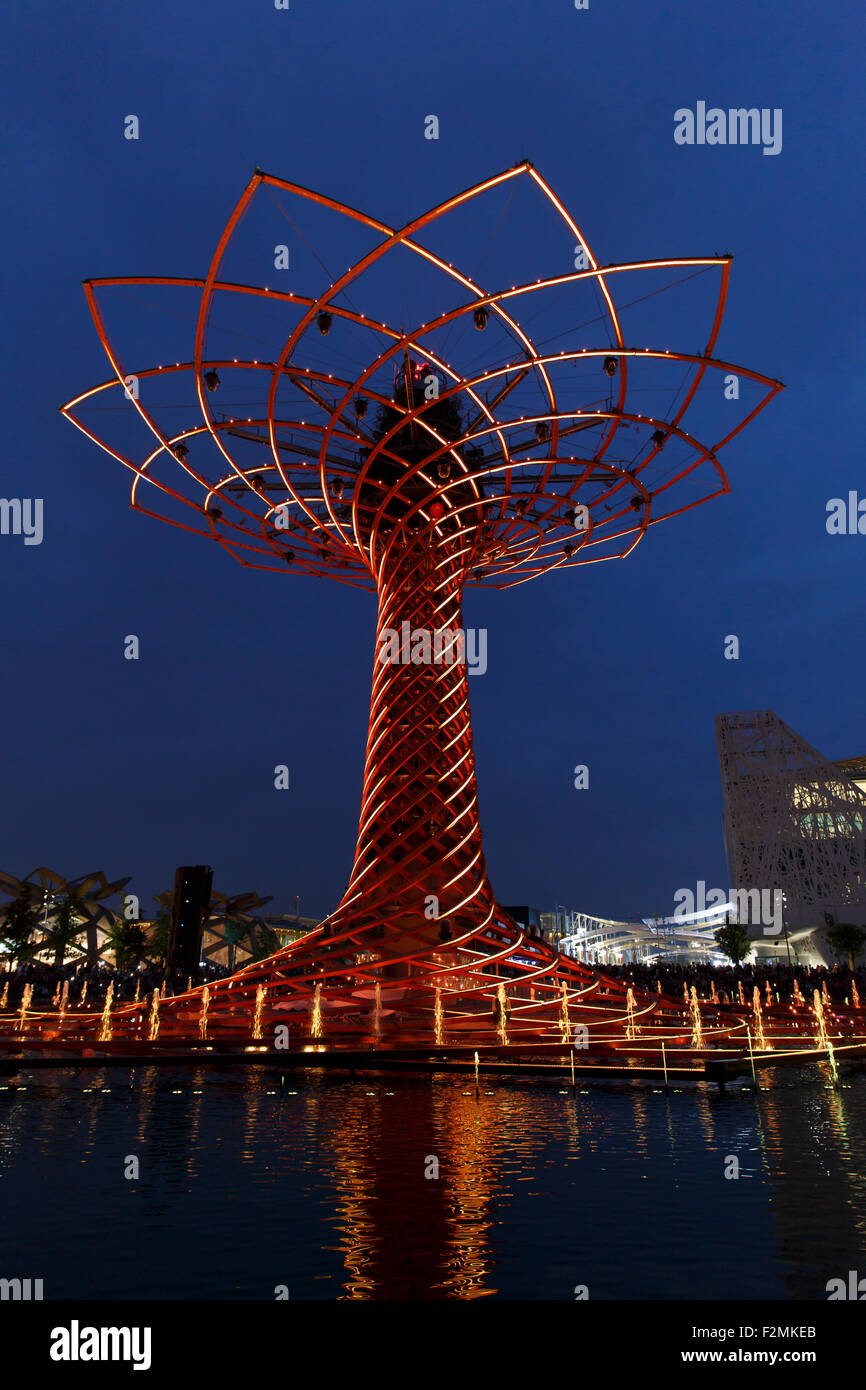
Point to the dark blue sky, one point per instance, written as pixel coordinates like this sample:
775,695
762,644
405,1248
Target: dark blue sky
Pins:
135,767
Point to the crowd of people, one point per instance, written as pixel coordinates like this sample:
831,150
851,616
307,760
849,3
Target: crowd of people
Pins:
89,986
728,978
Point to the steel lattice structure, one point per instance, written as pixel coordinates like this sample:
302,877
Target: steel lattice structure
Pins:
793,820
42,888
415,477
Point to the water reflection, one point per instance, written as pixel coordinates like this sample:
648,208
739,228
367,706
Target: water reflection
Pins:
429,1188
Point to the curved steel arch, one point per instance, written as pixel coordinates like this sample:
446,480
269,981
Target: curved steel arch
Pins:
419,928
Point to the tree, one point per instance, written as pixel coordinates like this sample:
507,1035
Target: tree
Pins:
127,941
160,934
62,928
234,935
734,941
17,927
846,940
265,941
160,937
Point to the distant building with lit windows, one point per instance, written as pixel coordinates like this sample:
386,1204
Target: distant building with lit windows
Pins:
795,822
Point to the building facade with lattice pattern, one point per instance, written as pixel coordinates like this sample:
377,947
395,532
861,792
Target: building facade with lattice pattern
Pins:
796,822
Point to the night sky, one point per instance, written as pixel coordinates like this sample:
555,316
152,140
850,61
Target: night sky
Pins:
135,767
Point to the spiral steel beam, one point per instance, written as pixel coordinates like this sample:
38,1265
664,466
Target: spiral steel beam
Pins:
486,478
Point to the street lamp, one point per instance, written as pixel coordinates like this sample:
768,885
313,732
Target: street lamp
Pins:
785,928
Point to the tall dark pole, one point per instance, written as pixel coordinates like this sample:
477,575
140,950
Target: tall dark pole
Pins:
785,928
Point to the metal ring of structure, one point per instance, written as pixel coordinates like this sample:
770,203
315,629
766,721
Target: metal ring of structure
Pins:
440,500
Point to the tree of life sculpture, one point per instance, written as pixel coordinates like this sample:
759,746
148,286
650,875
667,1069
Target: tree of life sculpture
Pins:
416,477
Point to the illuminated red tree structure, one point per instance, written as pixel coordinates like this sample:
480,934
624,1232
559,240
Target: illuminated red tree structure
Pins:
413,474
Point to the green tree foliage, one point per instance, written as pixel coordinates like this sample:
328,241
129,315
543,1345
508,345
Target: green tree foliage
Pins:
235,932
157,942
846,940
17,926
127,941
734,940
62,928
265,941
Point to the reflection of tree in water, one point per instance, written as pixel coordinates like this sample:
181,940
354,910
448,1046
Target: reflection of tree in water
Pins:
408,1236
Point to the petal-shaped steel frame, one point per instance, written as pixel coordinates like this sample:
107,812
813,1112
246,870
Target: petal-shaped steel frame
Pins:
418,953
